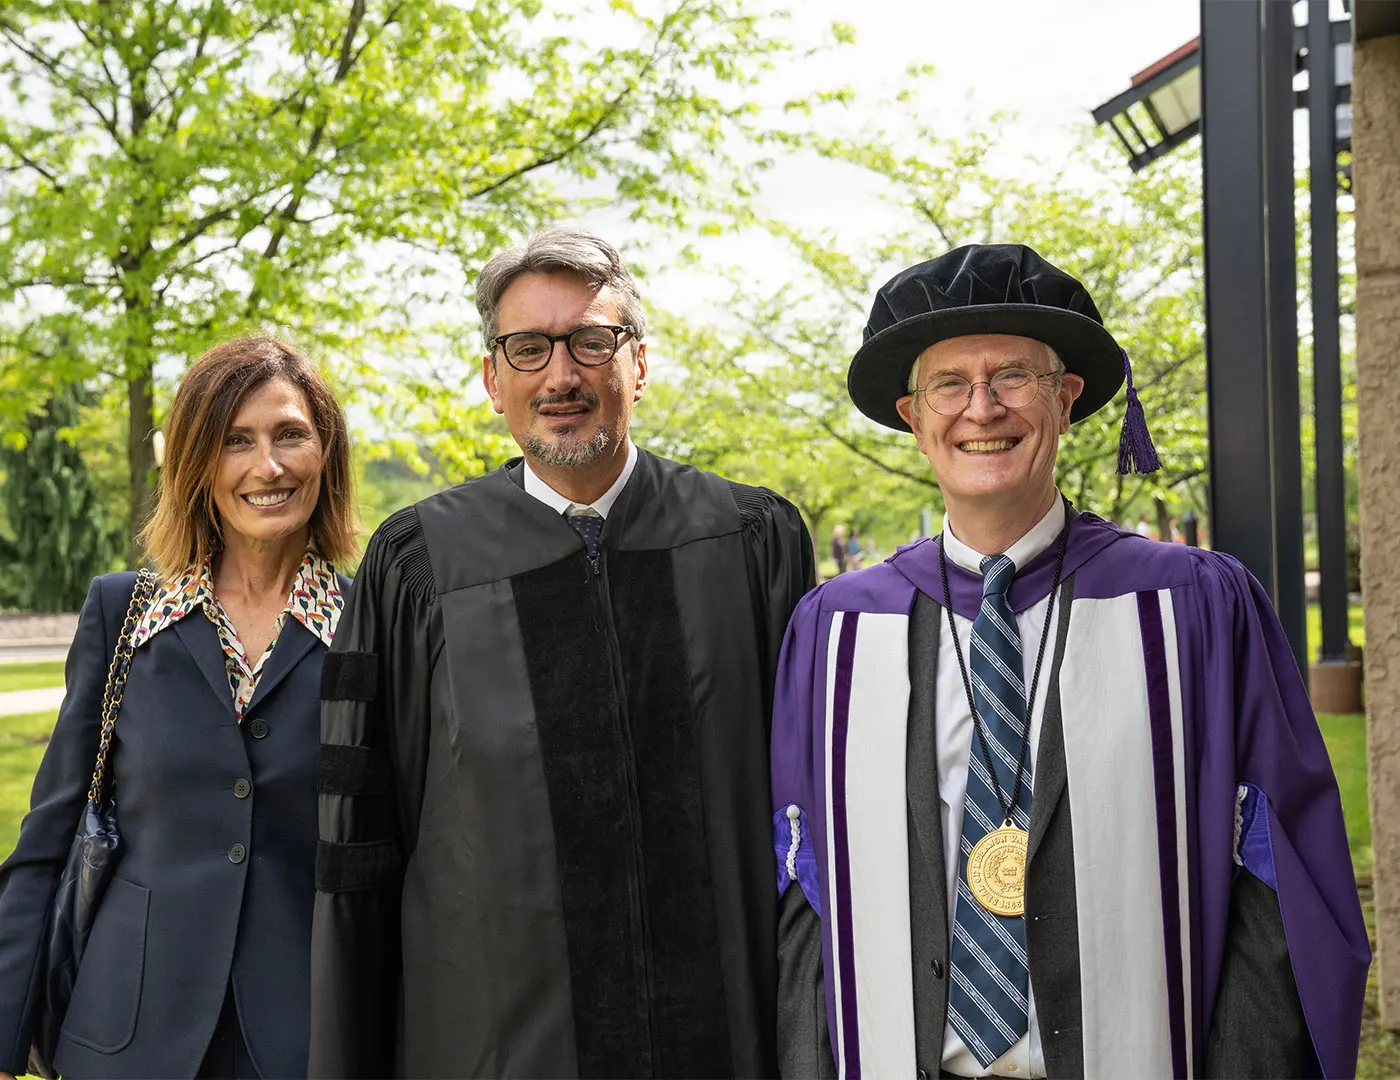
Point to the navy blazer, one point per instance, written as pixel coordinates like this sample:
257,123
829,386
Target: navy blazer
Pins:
217,880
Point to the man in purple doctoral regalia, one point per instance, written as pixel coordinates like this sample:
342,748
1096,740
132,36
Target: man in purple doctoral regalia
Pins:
1049,798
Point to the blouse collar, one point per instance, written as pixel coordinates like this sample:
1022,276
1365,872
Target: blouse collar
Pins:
315,600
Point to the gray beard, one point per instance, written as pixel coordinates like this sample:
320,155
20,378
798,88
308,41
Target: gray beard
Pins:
569,455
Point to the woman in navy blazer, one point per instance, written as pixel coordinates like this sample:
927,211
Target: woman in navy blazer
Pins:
198,962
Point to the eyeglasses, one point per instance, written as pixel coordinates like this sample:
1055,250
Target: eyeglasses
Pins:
949,395
591,346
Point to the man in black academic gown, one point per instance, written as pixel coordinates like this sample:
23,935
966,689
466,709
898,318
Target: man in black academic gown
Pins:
544,779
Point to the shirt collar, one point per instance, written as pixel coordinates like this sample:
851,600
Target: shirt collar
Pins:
1040,537
564,505
175,599
315,600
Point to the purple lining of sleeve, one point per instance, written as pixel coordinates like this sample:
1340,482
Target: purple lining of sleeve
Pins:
1256,849
802,860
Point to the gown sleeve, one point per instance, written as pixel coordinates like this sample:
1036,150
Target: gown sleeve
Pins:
804,1043
781,570
28,877
1293,975
374,729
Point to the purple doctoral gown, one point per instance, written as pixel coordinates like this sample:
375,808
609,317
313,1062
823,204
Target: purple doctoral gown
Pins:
1191,752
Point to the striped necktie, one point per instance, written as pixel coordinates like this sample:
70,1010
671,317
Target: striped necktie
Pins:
987,998
588,523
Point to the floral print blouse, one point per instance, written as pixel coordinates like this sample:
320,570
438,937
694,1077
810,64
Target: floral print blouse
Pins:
315,602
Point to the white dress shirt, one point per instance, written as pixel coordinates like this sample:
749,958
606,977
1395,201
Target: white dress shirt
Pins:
547,495
953,743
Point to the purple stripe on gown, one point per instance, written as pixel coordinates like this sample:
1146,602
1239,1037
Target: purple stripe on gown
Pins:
1247,704
1246,719
1190,752
845,656
1159,706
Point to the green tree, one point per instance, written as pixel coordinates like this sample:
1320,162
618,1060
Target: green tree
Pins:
763,375
172,173
62,534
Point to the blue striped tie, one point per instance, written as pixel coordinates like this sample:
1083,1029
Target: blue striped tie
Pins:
987,998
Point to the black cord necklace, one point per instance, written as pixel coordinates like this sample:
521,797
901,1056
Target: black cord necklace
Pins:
977,721
996,865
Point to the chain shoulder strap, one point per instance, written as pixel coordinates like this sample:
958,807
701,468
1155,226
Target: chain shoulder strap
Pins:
116,678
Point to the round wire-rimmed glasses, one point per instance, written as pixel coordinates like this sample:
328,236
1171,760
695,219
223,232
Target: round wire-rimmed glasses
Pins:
950,394
591,346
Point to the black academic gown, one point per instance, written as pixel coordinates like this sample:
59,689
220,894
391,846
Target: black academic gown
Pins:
544,787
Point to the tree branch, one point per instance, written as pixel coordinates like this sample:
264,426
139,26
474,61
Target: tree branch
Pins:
288,214
98,47
610,109
39,168
14,35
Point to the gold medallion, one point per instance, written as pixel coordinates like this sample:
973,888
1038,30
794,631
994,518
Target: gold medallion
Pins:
996,871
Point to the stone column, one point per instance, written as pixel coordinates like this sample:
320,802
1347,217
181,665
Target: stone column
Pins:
1376,175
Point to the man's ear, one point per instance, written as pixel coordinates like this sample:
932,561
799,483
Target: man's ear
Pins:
641,363
490,381
1071,386
905,405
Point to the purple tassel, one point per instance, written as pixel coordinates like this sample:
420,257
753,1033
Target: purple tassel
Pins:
1135,450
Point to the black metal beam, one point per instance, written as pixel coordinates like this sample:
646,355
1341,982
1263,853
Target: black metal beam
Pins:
1139,161
1249,284
1122,138
1340,31
1281,266
1135,94
1327,362
1301,100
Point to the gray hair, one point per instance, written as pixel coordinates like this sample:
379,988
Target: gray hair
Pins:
555,250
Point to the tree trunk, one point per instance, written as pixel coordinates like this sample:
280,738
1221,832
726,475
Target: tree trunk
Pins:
140,451
1164,521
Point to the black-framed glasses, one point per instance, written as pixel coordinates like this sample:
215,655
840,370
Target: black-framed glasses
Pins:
591,346
949,394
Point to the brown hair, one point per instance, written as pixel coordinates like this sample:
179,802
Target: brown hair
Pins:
185,528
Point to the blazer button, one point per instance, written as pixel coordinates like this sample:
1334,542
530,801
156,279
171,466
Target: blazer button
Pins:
237,853
937,966
241,788
258,728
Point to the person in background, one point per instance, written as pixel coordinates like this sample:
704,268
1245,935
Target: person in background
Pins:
854,553
838,547
545,847
1049,797
198,961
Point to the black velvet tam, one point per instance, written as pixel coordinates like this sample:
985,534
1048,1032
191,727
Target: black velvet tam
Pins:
981,289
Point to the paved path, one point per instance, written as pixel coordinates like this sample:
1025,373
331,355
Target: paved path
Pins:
17,702
29,654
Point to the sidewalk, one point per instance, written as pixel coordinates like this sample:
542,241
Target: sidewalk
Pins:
17,702
19,652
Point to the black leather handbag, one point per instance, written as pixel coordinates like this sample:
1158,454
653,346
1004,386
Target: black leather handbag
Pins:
92,860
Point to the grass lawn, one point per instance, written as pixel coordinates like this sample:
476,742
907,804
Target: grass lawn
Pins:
30,674
22,741
1346,744
1355,632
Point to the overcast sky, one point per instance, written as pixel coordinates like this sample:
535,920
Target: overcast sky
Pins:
1049,62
